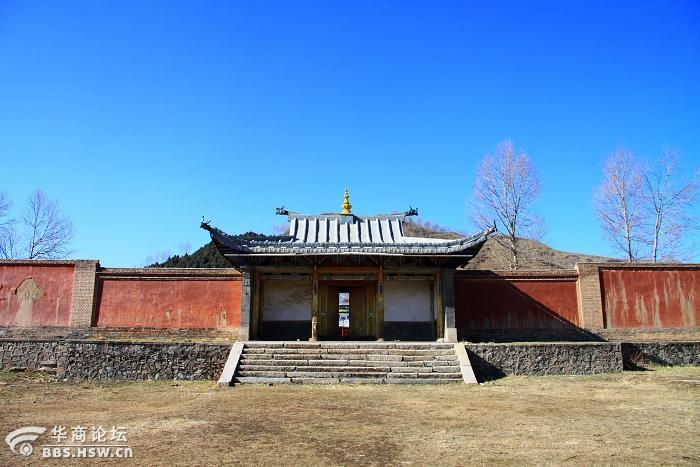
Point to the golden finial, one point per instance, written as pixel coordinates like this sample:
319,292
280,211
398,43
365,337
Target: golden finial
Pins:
346,203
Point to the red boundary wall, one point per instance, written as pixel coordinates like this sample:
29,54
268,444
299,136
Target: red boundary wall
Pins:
604,299
36,294
507,301
168,299
650,297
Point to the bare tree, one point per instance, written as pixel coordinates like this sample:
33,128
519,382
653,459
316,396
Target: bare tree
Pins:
507,188
667,201
8,234
618,203
47,233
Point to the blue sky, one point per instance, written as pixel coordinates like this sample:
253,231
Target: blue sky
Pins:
140,117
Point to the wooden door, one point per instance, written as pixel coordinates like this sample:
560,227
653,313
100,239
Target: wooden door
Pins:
328,311
363,301
362,311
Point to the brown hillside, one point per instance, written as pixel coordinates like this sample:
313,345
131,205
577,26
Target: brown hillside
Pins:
538,256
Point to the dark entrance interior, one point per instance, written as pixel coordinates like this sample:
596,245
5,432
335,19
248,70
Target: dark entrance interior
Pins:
347,311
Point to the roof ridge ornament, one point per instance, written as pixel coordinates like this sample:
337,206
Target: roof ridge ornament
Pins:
346,204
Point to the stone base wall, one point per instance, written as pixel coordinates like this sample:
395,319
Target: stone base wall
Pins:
492,361
114,360
651,335
143,361
131,333
133,361
527,335
32,354
642,354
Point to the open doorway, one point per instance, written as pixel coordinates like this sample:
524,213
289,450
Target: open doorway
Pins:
344,312
347,311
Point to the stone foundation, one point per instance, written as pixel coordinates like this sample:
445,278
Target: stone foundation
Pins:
113,360
651,335
571,334
492,361
224,336
121,360
642,354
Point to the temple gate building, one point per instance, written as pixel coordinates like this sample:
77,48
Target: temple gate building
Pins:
346,276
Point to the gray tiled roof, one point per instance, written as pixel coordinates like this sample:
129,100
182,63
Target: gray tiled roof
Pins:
344,234
336,228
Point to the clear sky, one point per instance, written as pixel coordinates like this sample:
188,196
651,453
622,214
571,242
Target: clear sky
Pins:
139,117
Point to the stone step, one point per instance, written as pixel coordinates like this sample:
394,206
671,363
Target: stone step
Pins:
261,380
350,345
355,380
364,351
363,380
312,374
341,361
422,381
284,363
371,357
336,374
280,371
319,369
446,376
323,380
347,362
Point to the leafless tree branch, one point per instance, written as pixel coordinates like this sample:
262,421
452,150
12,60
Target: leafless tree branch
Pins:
8,232
667,202
506,190
46,232
618,203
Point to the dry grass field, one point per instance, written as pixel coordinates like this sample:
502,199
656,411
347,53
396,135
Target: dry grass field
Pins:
650,417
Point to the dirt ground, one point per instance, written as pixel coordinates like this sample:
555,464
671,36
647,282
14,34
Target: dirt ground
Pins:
649,417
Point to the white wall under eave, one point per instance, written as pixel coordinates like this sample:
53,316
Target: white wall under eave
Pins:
286,300
407,301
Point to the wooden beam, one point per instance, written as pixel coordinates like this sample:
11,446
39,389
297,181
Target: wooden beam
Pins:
244,333
380,305
255,306
346,270
314,306
437,288
448,300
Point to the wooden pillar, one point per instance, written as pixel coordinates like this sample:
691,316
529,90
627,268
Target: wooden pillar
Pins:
380,305
448,304
437,290
255,306
314,306
246,302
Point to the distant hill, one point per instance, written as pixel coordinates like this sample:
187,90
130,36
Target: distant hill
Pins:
538,256
206,257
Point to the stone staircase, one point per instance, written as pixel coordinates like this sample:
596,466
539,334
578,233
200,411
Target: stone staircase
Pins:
343,362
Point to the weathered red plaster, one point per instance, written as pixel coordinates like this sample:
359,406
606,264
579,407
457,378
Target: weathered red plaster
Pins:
651,298
50,304
515,304
169,303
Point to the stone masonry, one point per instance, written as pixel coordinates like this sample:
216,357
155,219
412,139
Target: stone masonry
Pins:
112,360
497,360
78,360
83,305
590,301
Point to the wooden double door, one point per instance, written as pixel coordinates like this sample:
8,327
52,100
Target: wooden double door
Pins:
363,305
